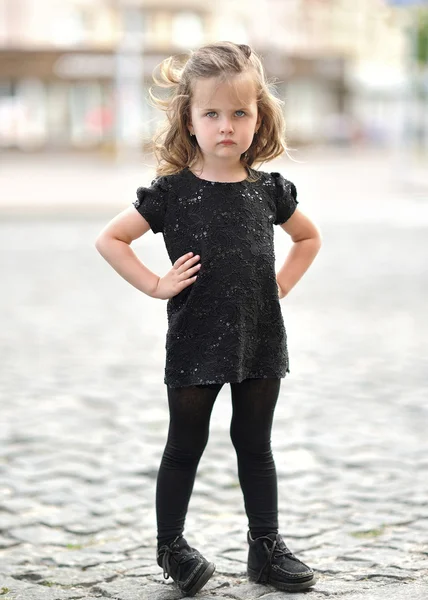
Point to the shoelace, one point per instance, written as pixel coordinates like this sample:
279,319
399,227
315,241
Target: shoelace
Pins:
166,566
278,551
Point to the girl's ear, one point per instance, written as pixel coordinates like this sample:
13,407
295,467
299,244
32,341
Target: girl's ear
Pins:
190,128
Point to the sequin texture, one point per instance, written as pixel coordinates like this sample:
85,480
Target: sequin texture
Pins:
227,326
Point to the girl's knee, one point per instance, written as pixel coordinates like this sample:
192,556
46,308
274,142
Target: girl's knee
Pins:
248,444
183,455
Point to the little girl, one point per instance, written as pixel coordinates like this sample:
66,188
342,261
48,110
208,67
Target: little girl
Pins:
216,214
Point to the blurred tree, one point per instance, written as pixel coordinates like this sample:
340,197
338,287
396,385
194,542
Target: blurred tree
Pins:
422,36
421,78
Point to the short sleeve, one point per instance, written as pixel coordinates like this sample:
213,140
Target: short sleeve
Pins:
285,198
151,203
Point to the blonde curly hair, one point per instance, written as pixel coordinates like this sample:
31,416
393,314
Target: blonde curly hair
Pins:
173,146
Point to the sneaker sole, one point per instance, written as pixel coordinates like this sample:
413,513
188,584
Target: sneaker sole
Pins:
205,576
285,587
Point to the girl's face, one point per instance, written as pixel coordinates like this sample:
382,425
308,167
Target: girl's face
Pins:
224,117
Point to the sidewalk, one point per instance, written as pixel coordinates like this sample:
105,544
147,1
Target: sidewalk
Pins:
92,185
84,407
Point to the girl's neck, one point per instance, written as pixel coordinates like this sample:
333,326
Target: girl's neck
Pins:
220,173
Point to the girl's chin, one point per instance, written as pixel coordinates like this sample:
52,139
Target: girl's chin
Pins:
229,148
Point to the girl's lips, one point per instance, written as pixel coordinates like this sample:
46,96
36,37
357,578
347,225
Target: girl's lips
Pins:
227,142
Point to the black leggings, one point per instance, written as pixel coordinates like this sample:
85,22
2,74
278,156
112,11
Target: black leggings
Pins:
190,407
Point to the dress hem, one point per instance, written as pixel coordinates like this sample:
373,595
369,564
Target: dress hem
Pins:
217,381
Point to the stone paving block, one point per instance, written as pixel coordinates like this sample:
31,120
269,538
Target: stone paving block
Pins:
142,571
244,590
64,576
19,505
233,568
11,486
237,555
127,519
409,591
20,590
129,589
64,516
8,521
7,542
39,534
91,525
61,496
153,591
393,557
83,557
135,483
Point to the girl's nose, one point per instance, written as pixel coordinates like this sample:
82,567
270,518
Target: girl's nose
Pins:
226,126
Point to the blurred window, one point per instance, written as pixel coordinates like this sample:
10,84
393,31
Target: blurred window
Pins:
5,88
159,31
58,113
3,25
7,108
187,29
135,23
30,113
68,27
79,25
230,29
85,101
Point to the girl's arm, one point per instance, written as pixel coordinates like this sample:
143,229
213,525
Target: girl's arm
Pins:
307,242
113,243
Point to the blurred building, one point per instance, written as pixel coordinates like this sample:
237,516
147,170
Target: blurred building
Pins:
75,73
344,64
71,71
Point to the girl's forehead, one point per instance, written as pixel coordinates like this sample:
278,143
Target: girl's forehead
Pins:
211,92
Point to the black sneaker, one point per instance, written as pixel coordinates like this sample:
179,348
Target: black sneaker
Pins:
271,562
185,565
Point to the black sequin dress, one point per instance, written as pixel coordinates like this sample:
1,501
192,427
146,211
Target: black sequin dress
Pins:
227,326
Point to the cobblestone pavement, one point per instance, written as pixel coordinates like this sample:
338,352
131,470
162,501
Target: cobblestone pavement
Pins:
84,411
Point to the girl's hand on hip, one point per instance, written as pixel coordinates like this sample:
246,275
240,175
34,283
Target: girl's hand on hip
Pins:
179,277
281,293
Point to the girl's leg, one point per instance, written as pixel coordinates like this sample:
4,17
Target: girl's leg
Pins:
190,412
254,402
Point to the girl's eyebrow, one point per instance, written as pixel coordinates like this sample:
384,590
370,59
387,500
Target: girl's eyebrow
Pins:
217,109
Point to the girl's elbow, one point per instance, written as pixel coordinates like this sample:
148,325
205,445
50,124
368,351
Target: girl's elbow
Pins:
101,243
317,237
98,243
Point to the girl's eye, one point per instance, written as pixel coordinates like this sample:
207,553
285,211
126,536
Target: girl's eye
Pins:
212,113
